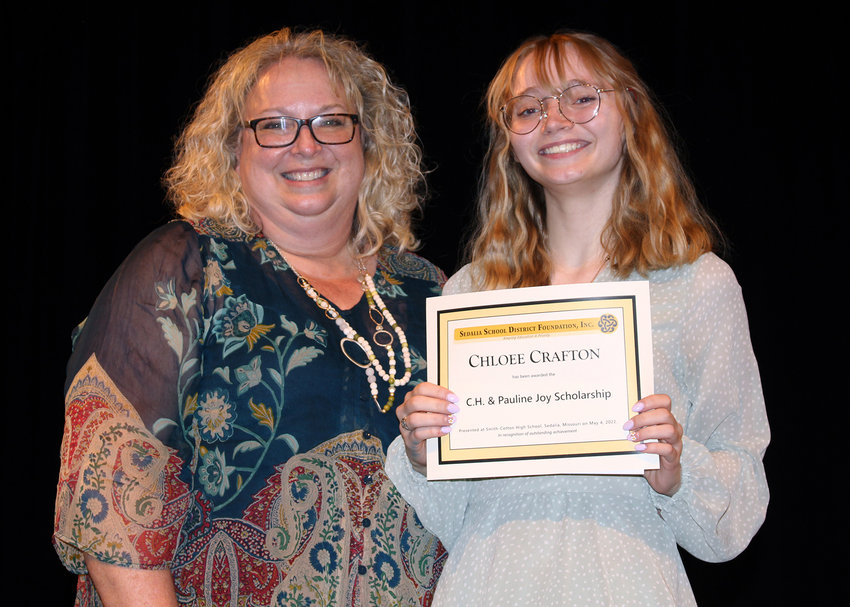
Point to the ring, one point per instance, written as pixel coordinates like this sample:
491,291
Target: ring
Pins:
404,424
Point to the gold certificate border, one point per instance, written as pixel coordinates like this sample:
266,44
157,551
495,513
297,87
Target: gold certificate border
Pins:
626,303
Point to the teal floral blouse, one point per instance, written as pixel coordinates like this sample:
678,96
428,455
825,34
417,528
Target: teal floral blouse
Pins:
213,426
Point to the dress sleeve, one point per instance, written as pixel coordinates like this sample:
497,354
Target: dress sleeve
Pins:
440,505
122,497
723,497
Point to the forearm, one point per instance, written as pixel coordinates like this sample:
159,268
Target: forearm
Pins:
721,504
125,587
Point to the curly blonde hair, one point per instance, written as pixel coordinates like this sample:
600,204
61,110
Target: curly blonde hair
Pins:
203,183
657,220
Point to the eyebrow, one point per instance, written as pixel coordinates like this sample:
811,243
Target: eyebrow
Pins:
333,108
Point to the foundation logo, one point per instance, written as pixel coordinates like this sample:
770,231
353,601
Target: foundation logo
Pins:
607,323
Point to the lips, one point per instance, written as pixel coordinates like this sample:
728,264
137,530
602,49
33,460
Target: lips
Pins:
306,175
563,148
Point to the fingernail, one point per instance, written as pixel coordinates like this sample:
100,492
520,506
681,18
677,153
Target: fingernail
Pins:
628,425
452,398
446,429
451,419
640,447
453,408
632,436
638,407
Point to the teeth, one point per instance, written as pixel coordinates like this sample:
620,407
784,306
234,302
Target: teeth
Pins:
306,175
563,148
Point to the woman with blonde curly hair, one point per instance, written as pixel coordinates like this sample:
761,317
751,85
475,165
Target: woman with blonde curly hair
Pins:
228,398
581,183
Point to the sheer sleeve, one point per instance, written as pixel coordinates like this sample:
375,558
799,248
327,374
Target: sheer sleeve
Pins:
122,497
723,498
440,505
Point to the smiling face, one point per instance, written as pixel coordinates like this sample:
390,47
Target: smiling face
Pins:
306,185
566,158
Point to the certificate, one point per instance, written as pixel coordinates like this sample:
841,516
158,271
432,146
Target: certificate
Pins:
546,378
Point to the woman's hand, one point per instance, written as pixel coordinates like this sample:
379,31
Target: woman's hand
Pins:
427,412
655,420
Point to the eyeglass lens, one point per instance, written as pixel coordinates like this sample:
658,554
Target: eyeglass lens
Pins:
281,131
578,104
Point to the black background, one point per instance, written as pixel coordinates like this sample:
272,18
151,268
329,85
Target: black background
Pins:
756,96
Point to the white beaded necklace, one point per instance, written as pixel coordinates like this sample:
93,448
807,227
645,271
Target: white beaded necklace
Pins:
379,314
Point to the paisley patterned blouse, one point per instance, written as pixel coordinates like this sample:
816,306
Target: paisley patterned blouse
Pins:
214,426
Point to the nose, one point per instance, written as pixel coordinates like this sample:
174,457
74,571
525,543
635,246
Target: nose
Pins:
304,142
552,117
553,121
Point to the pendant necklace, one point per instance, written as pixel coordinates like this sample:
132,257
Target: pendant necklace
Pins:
378,314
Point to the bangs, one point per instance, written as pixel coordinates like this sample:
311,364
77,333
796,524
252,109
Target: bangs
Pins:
550,65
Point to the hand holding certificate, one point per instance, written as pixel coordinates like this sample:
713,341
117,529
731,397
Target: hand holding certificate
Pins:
546,378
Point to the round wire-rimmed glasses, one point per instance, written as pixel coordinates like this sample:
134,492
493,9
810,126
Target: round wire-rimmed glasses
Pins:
282,131
579,103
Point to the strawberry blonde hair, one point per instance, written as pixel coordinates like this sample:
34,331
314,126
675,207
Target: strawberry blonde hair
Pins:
657,221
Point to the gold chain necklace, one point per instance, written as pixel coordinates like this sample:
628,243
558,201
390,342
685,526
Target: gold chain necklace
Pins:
378,314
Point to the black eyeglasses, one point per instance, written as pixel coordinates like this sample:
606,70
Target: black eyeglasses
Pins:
282,131
578,103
